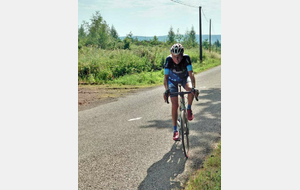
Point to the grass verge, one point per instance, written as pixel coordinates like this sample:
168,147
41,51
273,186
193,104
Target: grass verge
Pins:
208,177
139,66
157,77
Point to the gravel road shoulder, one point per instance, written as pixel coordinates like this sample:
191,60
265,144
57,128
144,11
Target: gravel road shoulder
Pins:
90,96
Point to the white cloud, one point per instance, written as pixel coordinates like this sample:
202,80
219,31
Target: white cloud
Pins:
115,4
152,17
87,6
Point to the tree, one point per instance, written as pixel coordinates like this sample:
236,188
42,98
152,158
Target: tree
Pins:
130,36
98,31
171,36
186,42
154,41
189,39
128,40
81,32
178,36
81,35
205,44
114,33
217,43
192,37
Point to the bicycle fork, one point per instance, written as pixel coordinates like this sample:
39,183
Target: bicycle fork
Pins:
182,107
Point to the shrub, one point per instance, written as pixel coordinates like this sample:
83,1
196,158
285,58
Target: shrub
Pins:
99,66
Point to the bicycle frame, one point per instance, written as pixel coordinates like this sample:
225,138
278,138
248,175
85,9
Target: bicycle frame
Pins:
182,102
182,120
182,105
182,123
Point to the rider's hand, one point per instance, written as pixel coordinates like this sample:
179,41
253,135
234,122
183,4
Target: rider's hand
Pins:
166,94
195,91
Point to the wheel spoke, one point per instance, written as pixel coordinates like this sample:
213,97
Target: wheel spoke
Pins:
184,133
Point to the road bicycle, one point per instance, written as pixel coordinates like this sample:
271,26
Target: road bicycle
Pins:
182,121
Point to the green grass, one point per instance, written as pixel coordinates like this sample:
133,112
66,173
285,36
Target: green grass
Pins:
157,77
138,66
208,177
100,66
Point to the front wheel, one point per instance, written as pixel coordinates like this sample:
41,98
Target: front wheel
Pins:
185,133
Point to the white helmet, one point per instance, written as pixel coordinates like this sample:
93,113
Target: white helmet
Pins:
177,49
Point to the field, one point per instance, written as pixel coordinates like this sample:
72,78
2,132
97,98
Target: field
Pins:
141,65
105,75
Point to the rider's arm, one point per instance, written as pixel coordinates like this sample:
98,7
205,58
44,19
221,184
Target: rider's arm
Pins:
190,71
166,83
166,79
191,74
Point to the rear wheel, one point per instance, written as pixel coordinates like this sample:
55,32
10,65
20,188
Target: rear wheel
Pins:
185,133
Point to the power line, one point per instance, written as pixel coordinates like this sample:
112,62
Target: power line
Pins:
215,35
204,15
214,31
176,1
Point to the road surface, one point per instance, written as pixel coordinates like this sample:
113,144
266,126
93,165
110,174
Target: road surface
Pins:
127,144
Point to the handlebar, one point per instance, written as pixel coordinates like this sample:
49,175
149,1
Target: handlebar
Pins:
181,93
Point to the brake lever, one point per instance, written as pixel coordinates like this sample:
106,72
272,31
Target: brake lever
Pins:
196,97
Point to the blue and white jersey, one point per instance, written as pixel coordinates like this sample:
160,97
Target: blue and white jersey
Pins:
178,72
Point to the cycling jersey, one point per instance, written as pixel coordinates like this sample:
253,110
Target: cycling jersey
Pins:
178,72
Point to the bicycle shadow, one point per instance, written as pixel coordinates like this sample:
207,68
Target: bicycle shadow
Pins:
205,130
161,174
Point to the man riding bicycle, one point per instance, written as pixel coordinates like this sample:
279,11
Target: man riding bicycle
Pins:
178,69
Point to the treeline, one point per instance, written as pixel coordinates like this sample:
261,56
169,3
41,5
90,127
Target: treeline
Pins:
104,58
99,34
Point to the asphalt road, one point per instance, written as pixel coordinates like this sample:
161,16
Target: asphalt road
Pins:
127,144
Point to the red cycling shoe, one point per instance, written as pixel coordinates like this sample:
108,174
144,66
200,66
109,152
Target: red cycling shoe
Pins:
176,136
190,115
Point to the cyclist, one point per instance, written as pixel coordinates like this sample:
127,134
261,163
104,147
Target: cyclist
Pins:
178,69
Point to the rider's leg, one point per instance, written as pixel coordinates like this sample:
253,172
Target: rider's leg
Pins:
188,87
190,96
174,101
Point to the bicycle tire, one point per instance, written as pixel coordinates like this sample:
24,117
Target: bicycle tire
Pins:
185,133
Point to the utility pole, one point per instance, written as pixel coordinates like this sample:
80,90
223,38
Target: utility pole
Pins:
200,29
200,34
209,35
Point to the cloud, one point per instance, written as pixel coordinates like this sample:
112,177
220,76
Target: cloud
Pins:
164,10
87,6
115,4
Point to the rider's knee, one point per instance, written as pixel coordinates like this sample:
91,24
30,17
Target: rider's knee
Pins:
175,104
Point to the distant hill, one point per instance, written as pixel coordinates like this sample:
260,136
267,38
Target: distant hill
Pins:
164,38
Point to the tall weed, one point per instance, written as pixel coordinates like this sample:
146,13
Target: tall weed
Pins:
98,66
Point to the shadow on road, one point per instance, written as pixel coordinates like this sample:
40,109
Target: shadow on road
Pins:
161,174
160,124
205,131
209,118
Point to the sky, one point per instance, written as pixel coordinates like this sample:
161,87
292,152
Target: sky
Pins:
149,18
